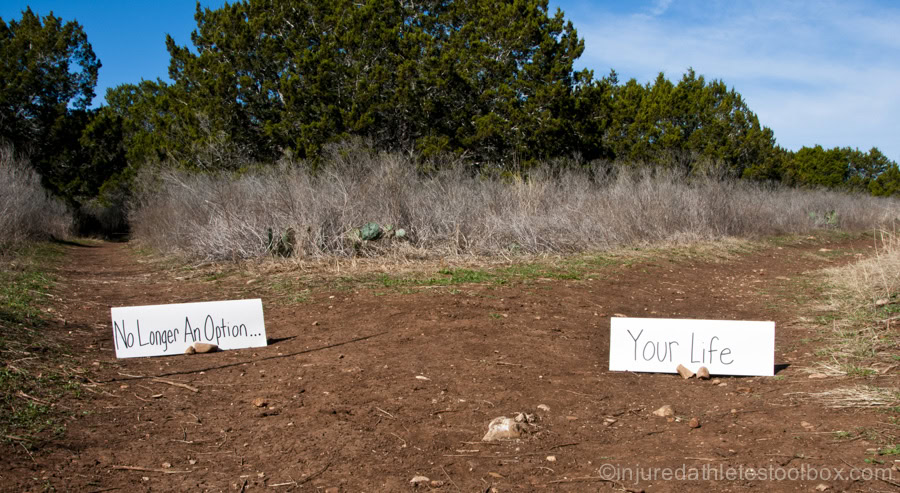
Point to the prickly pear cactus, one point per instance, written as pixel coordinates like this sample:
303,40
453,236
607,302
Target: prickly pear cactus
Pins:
370,232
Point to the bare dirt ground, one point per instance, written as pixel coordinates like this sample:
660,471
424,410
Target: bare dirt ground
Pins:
344,410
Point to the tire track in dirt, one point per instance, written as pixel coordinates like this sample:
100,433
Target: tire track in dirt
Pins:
354,416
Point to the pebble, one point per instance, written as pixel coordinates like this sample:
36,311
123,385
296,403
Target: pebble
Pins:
544,407
694,423
417,480
822,487
436,484
684,372
259,402
204,347
664,411
551,458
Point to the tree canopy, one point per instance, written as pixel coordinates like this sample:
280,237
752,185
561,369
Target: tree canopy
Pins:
489,81
49,74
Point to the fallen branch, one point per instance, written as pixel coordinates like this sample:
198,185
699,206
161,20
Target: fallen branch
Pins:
177,384
150,469
243,362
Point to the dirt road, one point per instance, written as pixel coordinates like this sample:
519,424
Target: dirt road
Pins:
344,409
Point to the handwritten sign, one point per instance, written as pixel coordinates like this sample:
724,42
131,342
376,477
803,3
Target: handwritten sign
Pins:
159,330
724,347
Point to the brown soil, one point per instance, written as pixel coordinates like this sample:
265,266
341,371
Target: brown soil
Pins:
344,409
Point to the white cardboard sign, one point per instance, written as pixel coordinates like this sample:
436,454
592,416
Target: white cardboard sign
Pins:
724,347
158,330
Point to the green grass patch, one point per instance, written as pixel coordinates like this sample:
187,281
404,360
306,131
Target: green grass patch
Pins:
31,377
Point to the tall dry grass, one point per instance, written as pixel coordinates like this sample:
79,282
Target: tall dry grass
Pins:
453,211
27,211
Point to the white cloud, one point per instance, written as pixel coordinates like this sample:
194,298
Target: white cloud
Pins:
815,72
660,7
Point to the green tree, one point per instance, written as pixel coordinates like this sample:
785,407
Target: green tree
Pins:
49,74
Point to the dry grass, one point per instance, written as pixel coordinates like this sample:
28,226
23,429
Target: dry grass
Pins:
27,211
858,396
453,212
864,340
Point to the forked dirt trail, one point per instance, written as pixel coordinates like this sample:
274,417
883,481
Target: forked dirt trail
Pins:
344,410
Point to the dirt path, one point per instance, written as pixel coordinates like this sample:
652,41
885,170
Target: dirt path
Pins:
349,413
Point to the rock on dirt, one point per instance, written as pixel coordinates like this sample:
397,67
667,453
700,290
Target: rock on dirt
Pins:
259,402
664,412
502,427
694,423
543,407
203,347
417,480
684,372
822,487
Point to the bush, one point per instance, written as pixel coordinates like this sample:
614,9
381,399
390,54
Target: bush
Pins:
27,211
452,211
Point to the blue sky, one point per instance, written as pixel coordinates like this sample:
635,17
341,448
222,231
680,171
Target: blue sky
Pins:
816,72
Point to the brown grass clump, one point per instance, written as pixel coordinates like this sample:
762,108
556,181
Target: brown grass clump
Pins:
452,212
27,211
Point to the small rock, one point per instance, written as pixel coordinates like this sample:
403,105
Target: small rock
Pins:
551,458
502,427
190,350
609,421
167,465
436,484
417,480
723,384
807,426
816,376
572,418
684,372
524,418
882,302
192,461
822,487
544,407
703,373
259,402
203,347
664,411
422,377
315,323
694,423
715,381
